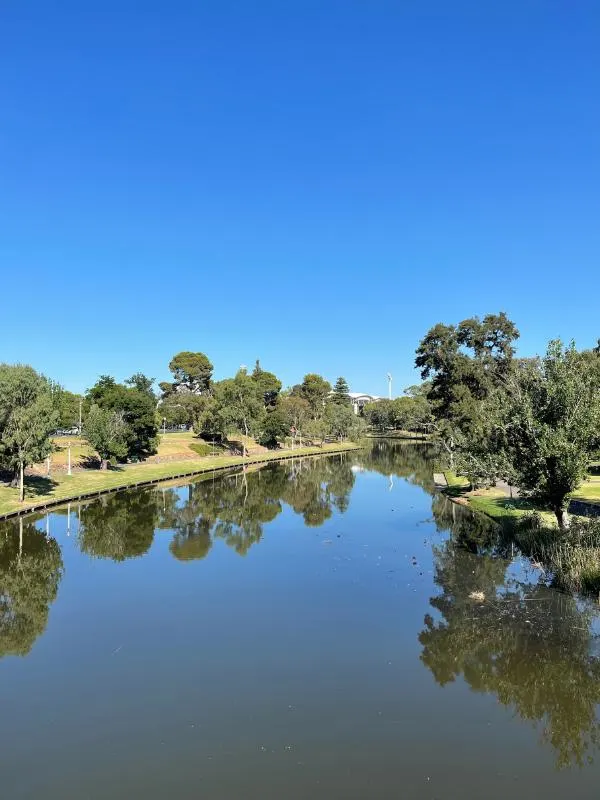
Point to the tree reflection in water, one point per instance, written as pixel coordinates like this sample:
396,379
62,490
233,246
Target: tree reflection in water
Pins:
527,644
236,507
118,526
31,569
533,648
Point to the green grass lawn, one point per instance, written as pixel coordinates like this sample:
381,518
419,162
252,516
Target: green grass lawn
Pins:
456,480
588,491
59,487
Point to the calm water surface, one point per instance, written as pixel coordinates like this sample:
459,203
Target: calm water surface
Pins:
301,631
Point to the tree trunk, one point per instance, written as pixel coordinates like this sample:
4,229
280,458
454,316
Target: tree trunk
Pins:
15,479
21,482
104,463
562,517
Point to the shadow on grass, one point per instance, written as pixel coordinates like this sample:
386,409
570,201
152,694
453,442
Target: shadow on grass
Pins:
93,463
38,486
456,491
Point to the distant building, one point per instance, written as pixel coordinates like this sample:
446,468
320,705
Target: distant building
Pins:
360,400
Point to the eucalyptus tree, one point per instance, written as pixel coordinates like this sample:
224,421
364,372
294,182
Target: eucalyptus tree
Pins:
27,418
464,363
541,430
315,390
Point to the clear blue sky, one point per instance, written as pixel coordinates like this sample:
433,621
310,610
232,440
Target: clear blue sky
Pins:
313,183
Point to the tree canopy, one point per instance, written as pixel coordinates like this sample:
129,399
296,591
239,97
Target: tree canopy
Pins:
106,431
192,372
136,406
27,418
340,393
540,430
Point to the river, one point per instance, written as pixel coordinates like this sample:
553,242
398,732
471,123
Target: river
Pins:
321,628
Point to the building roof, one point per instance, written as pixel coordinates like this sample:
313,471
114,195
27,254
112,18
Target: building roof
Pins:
359,395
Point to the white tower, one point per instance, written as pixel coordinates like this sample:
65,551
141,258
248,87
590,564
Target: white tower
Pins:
389,379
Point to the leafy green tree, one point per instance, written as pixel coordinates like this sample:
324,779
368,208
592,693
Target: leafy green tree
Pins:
183,408
464,363
296,412
27,418
211,422
541,430
67,405
411,413
241,404
315,390
316,430
340,420
138,408
31,569
379,415
275,427
418,389
192,372
341,394
269,384
106,431
142,383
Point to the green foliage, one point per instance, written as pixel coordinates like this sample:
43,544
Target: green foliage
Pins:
269,384
240,404
296,412
316,429
183,408
340,421
137,408
142,383
106,431
402,413
192,372
315,390
541,430
67,405
464,363
341,394
27,417
211,422
275,427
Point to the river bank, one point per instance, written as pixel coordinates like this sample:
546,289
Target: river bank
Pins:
43,492
570,557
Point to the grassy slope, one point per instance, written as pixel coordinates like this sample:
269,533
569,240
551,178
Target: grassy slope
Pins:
40,490
170,444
